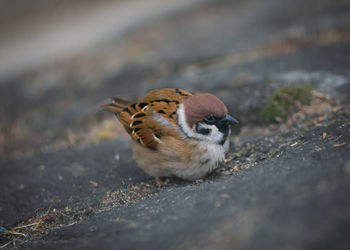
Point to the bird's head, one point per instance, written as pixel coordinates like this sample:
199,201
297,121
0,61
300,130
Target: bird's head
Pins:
205,117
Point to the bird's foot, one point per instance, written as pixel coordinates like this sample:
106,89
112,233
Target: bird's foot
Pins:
160,182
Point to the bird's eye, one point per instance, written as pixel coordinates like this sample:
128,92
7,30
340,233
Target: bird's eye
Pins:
209,119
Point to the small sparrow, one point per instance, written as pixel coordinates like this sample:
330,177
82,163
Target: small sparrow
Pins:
175,132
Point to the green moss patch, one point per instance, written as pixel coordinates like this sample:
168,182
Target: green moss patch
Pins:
284,102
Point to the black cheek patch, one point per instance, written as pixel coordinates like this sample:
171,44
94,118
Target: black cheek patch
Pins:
203,131
224,129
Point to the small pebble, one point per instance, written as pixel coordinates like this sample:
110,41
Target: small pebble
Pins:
235,168
227,173
117,157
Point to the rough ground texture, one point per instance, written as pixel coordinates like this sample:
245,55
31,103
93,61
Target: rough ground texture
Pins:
68,180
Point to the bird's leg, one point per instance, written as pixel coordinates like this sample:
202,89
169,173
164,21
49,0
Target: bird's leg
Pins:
161,183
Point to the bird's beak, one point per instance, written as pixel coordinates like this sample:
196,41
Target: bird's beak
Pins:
228,120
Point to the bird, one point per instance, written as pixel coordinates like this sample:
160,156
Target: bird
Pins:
175,133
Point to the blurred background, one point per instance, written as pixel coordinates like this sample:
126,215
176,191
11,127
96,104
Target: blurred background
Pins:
60,60
66,169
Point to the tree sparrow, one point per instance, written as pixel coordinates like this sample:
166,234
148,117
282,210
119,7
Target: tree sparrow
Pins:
175,132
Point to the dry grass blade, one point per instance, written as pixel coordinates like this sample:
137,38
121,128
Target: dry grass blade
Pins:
339,144
5,245
42,219
27,225
16,233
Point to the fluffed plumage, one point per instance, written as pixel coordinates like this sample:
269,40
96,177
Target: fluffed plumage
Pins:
172,134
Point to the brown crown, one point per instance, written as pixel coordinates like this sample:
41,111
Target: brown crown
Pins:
198,106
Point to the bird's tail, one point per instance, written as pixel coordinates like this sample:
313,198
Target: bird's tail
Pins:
117,105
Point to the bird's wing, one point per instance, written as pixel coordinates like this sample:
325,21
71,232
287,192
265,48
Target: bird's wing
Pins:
152,118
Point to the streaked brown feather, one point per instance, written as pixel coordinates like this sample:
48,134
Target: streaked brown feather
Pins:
138,118
167,94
